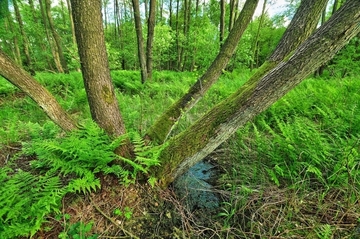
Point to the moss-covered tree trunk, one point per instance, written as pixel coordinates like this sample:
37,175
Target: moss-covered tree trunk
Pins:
256,95
162,127
20,78
95,67
302,25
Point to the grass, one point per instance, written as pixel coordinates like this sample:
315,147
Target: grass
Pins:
292,172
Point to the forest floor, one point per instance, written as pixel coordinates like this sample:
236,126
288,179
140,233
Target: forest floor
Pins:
146,212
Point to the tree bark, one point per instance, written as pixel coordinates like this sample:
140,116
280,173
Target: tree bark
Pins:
140,41
162,127
255,96
20,78
150,38
222,21
95,67
56,36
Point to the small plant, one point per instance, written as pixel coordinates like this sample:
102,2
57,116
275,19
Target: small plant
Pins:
126,213
78,230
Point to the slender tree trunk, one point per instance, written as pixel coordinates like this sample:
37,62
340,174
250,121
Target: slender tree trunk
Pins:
73,37
234,4
187,24
222,21
255,46
177,33
150,38
39,36
162,127
27,62
16,48
59,48
181,62
140,41
20,78
258,94
50,40
196,27
95,67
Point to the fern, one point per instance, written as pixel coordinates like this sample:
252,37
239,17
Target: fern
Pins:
25,200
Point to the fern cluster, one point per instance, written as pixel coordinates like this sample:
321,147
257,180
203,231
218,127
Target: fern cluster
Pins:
25,200
67,164
312,133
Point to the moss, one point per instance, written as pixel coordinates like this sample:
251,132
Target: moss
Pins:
107,95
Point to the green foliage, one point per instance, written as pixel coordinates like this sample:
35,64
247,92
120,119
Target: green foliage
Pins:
126,213
307,144
67,164
88,151
345,63
78,230
25,200
311,133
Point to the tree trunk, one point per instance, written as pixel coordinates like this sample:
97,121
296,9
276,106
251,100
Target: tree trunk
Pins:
255,46
222,21
256,95
95,67
20,78
27,63
162,127
59,48
15,40
150,38
234,4
50,40
140,41
71,23
307,16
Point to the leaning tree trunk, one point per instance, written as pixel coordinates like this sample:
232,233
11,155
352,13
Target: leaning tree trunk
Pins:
20,78
162,127
140,41
306,16
256,95
95,67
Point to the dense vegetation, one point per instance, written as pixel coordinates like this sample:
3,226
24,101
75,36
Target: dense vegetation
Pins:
292,172
297,163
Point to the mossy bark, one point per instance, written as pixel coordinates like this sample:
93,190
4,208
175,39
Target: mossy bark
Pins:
257,95
162,127
24,81
303,24
95,67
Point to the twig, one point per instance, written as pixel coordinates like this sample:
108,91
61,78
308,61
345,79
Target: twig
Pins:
112,221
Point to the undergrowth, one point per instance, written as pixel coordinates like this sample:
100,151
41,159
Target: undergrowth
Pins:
67,164
308,145
300,154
